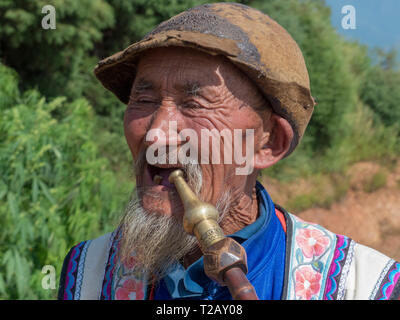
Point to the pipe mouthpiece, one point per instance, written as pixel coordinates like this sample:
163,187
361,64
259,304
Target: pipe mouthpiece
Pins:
175,174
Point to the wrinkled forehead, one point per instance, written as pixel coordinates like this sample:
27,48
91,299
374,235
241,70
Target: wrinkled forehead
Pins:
189,67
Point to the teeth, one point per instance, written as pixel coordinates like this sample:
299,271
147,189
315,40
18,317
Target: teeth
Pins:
157,179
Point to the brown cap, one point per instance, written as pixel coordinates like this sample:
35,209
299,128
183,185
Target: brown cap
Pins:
250,39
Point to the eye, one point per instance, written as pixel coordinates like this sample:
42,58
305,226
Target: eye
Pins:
142,103
144,100
191,105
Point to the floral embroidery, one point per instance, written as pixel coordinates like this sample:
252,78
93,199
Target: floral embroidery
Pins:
307,282
312,248
129,282
130,290
122,281
312,242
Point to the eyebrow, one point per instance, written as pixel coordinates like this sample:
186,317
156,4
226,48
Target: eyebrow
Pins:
143,85
191,88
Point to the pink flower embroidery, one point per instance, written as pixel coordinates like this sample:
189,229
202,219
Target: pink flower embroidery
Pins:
130,290
312,242
307,282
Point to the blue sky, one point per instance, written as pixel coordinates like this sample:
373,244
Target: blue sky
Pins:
377,21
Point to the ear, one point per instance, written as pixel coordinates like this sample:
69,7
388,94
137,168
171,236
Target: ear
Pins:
276,142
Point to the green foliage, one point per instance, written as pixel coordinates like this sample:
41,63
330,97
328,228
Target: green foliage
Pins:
55,188
147,14
8,88
377,181
381,92
302,202
326,189
60,62
54,61
363,140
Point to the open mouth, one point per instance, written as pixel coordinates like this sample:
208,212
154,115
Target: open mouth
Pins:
159,174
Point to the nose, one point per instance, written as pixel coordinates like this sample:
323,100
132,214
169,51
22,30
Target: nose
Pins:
164,127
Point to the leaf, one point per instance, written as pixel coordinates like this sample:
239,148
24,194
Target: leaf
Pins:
35,189
56,152
317,266
12,204
3,189
9,261
2,285
20,274
46,192
21,177
299,256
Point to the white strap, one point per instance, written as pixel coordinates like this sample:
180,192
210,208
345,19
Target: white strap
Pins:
95,264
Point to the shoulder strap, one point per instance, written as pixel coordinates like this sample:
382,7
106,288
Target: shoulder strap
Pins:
83,269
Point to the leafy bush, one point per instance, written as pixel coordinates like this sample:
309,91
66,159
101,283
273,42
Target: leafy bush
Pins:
377,181
54,61
381,92
363,140
60,61
55,188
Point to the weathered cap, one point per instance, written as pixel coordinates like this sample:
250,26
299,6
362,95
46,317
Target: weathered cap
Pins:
250,39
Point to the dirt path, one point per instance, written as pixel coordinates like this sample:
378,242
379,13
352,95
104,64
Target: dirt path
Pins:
370,218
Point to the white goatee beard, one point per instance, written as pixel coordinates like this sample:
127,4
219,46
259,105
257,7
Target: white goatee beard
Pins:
158,242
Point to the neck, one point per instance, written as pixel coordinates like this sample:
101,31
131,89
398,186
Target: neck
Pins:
243,212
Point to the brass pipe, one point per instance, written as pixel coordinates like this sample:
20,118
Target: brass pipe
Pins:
200,218
224,259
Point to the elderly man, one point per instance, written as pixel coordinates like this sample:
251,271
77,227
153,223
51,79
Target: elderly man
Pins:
220,68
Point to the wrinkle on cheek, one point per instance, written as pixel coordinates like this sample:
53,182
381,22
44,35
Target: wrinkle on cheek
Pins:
214,175
220,124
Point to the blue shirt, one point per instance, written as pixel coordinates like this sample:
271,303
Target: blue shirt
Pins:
264,242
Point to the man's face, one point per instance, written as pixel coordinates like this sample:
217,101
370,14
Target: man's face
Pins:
192,90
